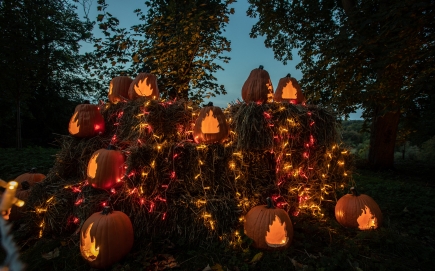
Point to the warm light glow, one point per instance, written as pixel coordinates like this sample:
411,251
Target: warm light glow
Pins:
143,87
367,220
93,166
210,124
74,126
276,236
289,91
88,248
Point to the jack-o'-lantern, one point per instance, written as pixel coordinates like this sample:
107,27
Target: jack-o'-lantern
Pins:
106,168
258,87
106,237
118,89
288,90
86,121
22,194
211,125
358,211
269,227
144,85
31,177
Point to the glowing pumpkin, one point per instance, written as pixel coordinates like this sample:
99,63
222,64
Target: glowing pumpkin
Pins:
269,227
106,168
86,121
358,211
144,85
106,237
258,87
118,89
288,90
211,125
31,178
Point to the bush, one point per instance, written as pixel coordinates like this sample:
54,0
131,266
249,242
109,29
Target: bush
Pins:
428,151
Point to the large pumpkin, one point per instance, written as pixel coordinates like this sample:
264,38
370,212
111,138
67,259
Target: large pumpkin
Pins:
86,121
106,168
211,125
144,85
118,89
105,238
258,87
359,211
31,178
288,90
269,227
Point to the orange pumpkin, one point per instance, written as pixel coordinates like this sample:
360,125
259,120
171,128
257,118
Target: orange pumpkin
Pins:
358,211
270,228
258,87
144,85
86,121
288,90
31,177
118,89
106,237
106,168
211,125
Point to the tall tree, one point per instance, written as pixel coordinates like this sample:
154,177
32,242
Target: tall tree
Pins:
40,54
377,55
179,40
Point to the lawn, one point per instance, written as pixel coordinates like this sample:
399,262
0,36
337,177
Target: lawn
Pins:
406,241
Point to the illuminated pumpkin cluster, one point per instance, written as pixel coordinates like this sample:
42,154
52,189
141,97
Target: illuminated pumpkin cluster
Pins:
288,90
258,87
106,168
358,211
86,121
269,227
211,125
106,237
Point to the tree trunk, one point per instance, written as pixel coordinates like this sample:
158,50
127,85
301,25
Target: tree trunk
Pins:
383,139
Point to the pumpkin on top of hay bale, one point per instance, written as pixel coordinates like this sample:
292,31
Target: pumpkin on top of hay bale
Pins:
174,187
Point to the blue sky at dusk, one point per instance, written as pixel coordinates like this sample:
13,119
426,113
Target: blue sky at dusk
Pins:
246,53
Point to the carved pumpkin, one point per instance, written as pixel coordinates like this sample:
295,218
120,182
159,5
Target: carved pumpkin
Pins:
288,90
22,194
258,87
144,85
105,168
105,238
86,121
31,177
358,211
269,227
118,89
211,125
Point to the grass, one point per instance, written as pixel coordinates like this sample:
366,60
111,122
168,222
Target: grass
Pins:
406,241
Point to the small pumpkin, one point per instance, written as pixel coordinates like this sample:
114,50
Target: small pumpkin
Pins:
106,237
118,89
288,90
105,168
211,125
258,87
358,211
144,85
31,177
22,193
86,121
270,228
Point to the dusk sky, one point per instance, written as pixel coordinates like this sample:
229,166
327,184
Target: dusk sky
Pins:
246,53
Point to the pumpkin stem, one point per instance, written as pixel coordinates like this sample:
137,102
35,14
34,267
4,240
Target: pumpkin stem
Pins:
269,203
209,104
288,75
33,170
86,102
261,67
107,210
111,147
354,191
25,185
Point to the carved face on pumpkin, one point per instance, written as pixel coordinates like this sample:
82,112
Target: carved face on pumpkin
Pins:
288,90
105,238
144,85
270,228
211,125
358,211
